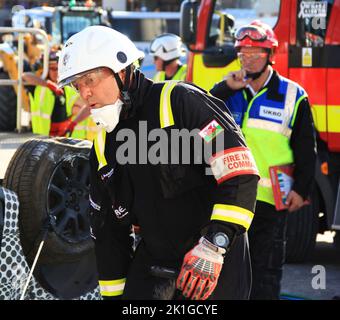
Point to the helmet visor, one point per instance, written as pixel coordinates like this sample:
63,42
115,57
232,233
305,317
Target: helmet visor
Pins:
252,32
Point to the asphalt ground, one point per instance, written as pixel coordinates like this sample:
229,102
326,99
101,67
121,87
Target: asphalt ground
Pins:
319,278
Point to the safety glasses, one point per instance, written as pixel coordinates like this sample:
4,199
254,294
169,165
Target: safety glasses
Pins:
91,79
252,32
251,56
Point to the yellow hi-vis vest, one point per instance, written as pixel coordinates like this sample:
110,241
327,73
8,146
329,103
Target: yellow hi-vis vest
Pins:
267,128
179,75
42,104
221,212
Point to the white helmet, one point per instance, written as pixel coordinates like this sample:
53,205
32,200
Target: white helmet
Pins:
94,47
167,46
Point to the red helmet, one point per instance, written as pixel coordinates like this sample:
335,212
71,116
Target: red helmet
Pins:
256,34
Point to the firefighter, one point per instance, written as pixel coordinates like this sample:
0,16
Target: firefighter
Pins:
193,225
167,50
274,115
54,111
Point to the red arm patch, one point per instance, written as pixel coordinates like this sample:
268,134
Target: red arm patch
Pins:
233,162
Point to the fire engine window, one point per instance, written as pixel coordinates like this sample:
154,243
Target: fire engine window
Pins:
312,21
242,12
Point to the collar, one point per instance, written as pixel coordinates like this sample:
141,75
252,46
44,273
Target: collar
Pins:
138,90
264,85
272,83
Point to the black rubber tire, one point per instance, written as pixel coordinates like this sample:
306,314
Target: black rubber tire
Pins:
336,241
51,179
8,106
302,229
2,213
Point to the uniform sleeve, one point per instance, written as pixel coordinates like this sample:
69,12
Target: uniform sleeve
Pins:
303,144
221,90
113,243
229,161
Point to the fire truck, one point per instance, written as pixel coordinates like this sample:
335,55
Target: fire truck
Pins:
308,53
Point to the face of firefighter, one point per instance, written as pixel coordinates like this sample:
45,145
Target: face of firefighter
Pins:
253,59
158,63
53,71
98,87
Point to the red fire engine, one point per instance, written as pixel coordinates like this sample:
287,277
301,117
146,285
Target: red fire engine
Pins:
308,53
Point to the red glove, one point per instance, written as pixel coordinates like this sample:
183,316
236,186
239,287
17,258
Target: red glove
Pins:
51,85
70,127
64,128
200,270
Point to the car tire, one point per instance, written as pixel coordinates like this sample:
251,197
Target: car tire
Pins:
302,229
51,179
8,106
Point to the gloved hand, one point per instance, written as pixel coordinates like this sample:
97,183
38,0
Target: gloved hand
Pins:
200,270
69,127
53,86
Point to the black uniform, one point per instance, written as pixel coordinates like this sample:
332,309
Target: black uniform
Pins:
267,234
172,203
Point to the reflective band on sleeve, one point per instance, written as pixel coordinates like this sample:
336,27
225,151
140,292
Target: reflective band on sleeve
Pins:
165,112
233,162
112,288
99,146
232,214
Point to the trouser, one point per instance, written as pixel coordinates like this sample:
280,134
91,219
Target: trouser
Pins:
267,243
233,284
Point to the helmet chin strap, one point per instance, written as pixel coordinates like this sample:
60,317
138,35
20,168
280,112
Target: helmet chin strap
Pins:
124,88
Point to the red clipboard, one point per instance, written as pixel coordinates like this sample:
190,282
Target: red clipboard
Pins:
282,182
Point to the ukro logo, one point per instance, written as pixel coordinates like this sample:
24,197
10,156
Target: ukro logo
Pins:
271,113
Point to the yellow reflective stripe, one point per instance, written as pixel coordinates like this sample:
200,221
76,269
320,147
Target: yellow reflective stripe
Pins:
265,182
270,126
232,214
99,147
112,288
333,116
165,112
246,114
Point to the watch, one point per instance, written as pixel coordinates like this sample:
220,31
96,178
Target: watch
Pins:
220,239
